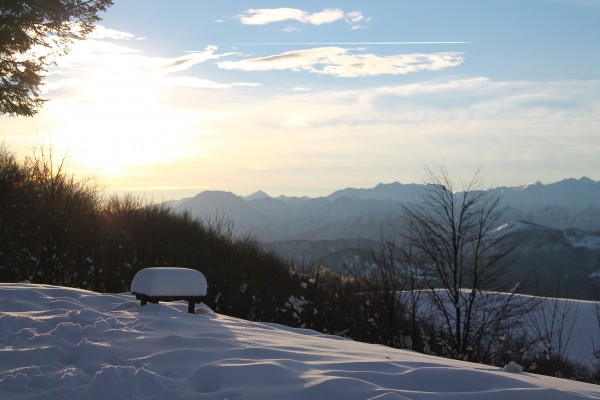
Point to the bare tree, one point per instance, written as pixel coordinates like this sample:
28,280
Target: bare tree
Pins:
15,206
455,242
595,371
383,279
65,211
552,328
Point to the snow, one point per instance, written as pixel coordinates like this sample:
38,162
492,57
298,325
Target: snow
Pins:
590,241
513,368
169,282
577,319
58,343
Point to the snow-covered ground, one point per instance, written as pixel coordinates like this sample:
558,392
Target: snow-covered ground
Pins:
62,343
590,240
569,328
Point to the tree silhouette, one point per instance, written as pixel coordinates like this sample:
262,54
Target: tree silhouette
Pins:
32,34
456,244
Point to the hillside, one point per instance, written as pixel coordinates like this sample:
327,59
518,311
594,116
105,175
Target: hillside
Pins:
62,343
364,213
557,240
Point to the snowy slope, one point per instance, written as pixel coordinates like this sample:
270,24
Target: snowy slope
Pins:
58,343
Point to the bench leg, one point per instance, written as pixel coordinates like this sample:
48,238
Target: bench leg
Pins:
191,307
145,301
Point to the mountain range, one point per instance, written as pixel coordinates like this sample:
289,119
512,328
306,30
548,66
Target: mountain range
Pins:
558,233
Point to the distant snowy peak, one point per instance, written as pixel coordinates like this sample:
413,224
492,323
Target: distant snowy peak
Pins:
583,239
514,226
579,193
352,213
216,197
562,183
572,193
583,191
257,195
384,191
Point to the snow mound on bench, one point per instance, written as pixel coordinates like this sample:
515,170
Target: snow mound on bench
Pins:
169,282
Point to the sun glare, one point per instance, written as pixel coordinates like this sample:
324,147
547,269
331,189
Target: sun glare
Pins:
116,120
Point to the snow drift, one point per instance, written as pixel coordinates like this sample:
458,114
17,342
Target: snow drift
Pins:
58,343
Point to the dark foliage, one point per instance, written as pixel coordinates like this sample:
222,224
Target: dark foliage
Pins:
32,33
55,228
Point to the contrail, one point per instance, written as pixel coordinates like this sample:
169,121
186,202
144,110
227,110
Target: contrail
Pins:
331,43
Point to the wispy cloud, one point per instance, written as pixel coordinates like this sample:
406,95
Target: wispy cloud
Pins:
264,16
435,88
291,28
106,65
114,92
187,61
355,17
340,62
100,32
198,83
357,20
466,122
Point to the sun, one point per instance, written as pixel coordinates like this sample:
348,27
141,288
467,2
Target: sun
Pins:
114,117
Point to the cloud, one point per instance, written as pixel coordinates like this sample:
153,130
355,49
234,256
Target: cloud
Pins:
434,87
354,17
95,68
198,83
186,61
357,20
264,16
466,122
100,32
291,28
339,62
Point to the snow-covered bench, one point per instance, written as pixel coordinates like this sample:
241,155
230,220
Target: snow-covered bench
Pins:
151,285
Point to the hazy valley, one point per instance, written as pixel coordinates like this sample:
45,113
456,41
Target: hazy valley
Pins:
555,228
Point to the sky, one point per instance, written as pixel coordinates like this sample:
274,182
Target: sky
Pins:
307,97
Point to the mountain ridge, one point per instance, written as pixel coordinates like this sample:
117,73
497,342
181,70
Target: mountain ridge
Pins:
569,203
556,227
